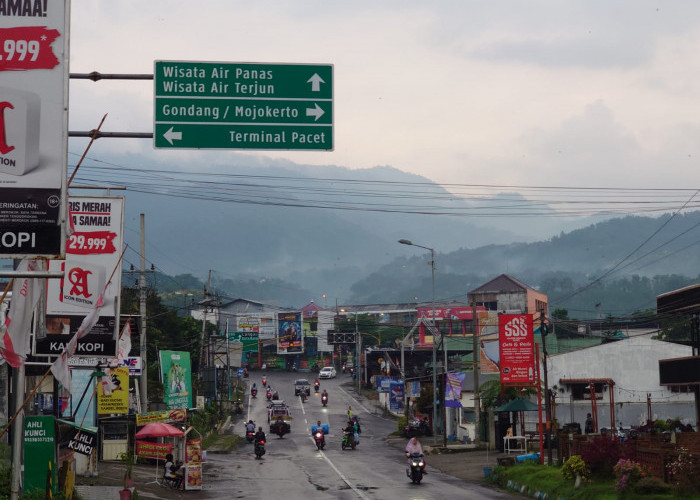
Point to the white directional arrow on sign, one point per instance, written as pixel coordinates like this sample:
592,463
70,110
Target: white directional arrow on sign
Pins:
316,82
315,111
170,135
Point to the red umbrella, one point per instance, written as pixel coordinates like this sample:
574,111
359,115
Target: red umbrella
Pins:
159,429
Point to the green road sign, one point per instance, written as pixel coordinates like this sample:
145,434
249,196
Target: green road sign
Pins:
213,105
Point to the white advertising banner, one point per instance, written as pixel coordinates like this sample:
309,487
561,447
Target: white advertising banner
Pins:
33,125
92,255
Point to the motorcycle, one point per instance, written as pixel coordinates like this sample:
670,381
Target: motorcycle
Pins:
280,428
348,440
269,395
254,393
317,387
319,439
416,428
416,467
303,396
264,381
324,400
344,368
259,448
245,373
239,407
249,436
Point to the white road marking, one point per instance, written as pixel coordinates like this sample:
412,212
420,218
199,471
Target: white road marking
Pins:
341,475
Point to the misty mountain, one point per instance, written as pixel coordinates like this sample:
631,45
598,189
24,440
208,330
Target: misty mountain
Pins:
261,223
624,262
320,228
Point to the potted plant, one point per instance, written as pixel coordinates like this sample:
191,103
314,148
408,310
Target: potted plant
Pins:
128,459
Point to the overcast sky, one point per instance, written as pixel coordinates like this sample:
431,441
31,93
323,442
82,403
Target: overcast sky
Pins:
551,92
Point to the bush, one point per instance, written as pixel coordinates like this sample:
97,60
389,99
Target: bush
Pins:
575,466
601,455
401,423
682,472
651,486
627,474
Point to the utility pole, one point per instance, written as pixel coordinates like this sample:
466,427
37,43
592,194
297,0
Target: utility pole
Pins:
477,358
17,433
203,354
548,400
358,371
143,386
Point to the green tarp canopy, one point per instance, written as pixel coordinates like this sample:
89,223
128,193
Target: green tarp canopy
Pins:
517,404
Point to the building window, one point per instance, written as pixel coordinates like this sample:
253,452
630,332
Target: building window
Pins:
468,416
681,388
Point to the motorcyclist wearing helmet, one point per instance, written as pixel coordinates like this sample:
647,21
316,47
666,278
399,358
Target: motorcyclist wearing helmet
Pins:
260,435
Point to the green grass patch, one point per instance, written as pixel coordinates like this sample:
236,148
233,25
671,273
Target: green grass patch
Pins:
221,442
548,479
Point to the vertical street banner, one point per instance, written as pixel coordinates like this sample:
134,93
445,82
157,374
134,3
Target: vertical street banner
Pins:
33,126
176,374
289,338
39,451
93,251
489,361
453,390
82,383
113,392
396,396
516,346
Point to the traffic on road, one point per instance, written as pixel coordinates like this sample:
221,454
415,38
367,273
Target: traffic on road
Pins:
296,465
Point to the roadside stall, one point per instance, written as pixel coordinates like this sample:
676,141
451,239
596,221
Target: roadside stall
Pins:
156,450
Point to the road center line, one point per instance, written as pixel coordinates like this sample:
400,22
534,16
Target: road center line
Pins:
341,475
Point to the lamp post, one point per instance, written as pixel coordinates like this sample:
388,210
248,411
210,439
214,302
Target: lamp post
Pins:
432,267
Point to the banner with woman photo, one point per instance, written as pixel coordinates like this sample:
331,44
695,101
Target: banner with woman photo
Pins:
176,375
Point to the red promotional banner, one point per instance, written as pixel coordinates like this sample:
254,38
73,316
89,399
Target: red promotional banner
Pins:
27,47
516,348
92,243
149,449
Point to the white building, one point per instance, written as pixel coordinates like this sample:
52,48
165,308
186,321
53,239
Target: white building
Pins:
630,369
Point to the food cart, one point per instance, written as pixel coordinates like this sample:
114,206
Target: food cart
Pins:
194,459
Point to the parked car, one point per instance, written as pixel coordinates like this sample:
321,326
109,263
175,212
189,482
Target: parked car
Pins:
327,372
302,385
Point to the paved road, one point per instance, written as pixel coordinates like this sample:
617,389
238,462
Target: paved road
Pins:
293,468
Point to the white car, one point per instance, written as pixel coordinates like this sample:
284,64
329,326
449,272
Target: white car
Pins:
327,372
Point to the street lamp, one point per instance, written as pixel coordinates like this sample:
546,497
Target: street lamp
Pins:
432,267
